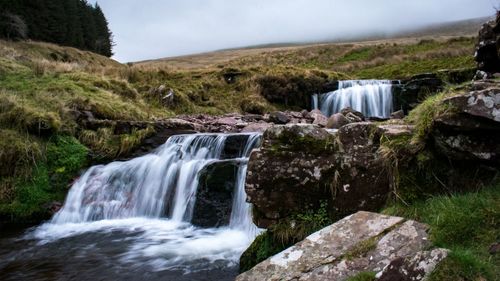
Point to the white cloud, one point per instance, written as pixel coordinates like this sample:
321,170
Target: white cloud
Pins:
159,28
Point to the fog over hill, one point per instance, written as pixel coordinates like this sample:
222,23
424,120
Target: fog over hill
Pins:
152,29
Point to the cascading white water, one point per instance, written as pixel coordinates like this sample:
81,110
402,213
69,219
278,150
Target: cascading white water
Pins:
155,194
373,98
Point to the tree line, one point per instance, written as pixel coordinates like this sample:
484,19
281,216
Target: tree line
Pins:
74,23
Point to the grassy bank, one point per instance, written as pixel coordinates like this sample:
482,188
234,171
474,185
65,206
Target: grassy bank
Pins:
468,225
45,89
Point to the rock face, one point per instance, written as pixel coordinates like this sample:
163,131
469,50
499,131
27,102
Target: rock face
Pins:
288,163
299,166
393,248
472,131
488,48
214,196
408,95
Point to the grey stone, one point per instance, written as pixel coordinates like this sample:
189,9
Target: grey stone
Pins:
361,242
336,121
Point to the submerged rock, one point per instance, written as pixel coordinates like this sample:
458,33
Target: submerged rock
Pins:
360,242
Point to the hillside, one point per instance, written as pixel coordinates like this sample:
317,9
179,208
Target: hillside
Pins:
439,32
46,89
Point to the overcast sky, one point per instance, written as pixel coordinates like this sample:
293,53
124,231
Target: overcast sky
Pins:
149,29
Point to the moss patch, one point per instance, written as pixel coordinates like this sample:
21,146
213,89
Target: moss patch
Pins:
46,179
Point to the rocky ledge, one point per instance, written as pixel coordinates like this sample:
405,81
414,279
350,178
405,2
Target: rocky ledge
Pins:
300,166
388,247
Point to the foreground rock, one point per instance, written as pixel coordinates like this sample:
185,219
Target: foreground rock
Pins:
393,248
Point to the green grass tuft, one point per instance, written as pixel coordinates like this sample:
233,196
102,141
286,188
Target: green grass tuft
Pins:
468,225
363,276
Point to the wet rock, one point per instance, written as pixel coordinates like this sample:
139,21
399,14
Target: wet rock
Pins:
398,114
278,118
360,242
318,118
352,115
457,76
336,121
53,207
416,89
214,194
293,90
487,53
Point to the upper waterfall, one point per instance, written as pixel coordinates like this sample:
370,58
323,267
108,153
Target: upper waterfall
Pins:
373,98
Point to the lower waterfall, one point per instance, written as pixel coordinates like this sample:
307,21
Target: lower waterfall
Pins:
139,211
373,98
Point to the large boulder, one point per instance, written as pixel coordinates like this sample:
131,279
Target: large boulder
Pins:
300,166
472,130
292,171
487,53
389,246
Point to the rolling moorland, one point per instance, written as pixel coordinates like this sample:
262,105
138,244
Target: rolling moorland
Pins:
47,92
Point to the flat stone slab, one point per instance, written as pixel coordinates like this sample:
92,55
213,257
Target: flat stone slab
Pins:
360,242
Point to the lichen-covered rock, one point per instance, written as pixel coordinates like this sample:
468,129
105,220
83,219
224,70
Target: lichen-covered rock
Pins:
488,47
413,268
360,242
293,161
299,166
471,131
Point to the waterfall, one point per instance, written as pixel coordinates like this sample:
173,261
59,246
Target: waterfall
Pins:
150,200
159,184
373,98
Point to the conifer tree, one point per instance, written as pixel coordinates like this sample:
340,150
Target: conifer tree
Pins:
73,23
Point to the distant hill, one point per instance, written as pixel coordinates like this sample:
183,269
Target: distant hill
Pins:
439,31
467,27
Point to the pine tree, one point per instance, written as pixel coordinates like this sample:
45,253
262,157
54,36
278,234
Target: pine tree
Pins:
104,43
66,22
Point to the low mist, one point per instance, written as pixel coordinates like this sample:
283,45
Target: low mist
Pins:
152,29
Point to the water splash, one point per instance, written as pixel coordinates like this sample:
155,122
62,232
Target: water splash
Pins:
151,199
373,98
